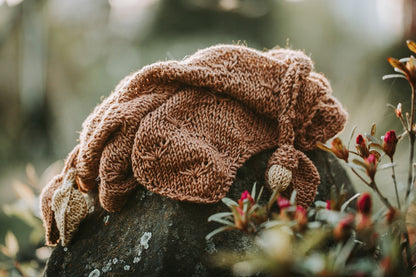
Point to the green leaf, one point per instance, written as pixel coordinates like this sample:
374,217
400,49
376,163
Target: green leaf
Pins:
313,239
375,145
344,254
386,166
345,205
24,192
293,197
222,221
275,223
391,76
245,206
254,208
218,230
330,216
355,166
273,198
372,138
314,225
229,202
253,191
260,194
320,204
12,246
219,215
359,163
351,136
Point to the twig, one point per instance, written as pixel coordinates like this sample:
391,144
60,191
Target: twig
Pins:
407,250
383,199
412,143
410,175
393,176
373,185
361,178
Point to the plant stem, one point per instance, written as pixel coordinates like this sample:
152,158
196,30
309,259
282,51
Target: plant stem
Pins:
412,142
412,112
407,250
373,185
19,268
383,199
361,178
410,176
393,176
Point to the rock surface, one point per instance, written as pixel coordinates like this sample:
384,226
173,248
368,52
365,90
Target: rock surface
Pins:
157,236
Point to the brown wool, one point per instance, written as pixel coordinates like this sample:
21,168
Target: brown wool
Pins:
183,128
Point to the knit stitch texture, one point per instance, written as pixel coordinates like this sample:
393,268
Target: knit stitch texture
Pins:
183,128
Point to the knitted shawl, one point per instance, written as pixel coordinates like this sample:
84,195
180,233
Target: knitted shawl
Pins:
183,128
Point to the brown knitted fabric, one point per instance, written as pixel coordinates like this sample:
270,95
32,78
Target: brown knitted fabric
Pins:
183,128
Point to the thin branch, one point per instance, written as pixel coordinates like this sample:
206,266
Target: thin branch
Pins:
393,176
373,185
410,174
412,143
361,178
383,199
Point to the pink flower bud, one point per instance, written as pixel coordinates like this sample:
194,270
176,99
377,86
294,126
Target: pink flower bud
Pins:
371,166
342,230
389,143
328,204
360,140
245,195
391,215
301,217
362,146
364,204
372,159
282,202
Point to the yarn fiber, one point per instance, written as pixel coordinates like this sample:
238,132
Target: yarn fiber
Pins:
183,128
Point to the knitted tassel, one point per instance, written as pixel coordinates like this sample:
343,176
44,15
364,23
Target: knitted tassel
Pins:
70,208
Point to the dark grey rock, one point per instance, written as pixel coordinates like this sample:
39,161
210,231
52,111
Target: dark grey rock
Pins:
157,236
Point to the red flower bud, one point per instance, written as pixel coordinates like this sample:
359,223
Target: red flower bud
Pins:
372,159
343,229
245,195
282,202
301,217
328,204
391,215
360,140
386,265
364,204
389,143
371,166
362,146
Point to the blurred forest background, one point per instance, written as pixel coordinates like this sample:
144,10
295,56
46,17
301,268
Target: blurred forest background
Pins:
58,58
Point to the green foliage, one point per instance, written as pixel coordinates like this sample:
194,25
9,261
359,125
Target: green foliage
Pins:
22,252
333,238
